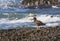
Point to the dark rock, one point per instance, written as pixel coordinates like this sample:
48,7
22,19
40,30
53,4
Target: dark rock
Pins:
31,34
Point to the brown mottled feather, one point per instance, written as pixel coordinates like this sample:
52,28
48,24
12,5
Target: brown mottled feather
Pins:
37,22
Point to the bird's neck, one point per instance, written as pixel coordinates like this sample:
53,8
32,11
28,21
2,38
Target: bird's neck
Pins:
35,20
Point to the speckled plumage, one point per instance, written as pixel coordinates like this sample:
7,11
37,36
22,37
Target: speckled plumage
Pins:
37,22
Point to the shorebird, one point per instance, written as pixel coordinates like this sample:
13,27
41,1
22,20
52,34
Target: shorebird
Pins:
37,22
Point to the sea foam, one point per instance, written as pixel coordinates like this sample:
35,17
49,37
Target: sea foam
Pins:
49,20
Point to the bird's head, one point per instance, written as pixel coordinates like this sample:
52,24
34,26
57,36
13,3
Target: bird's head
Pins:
34,18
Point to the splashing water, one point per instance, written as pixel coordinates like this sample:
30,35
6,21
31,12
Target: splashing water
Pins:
5,23
9,19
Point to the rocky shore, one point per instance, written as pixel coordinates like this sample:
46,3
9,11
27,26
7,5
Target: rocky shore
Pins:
31,34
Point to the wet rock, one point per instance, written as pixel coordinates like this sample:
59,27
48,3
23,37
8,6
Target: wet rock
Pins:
31,34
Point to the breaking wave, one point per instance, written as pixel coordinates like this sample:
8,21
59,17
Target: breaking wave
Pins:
50,20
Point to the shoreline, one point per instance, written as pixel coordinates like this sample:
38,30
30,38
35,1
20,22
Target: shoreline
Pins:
31,34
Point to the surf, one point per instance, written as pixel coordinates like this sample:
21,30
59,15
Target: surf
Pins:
5,23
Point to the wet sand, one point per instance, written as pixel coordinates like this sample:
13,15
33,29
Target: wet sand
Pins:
31,34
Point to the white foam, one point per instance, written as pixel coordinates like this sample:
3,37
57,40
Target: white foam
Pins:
48,18
50,21
55,7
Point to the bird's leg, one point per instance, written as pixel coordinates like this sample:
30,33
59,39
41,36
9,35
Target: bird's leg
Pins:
37,27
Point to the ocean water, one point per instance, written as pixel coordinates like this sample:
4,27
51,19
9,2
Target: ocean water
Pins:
14,17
